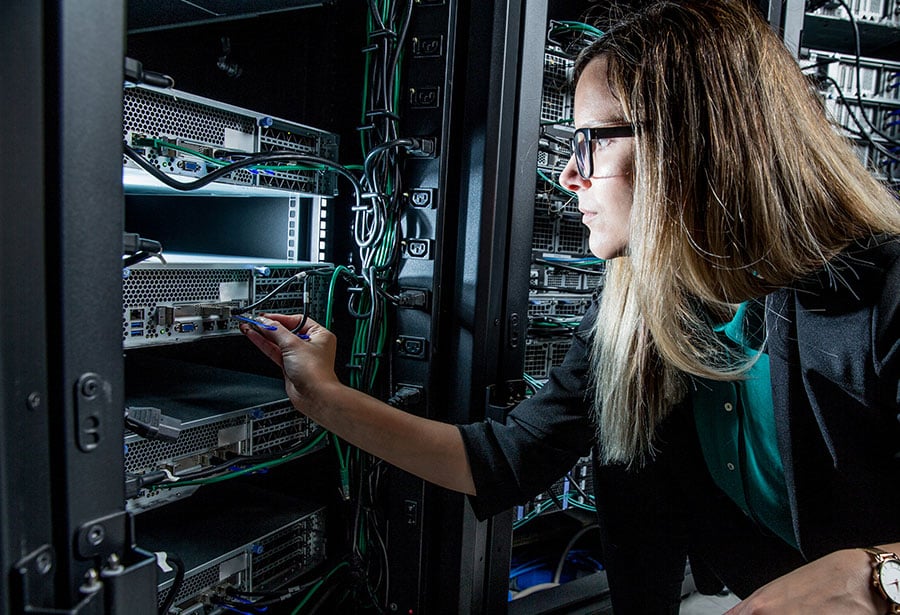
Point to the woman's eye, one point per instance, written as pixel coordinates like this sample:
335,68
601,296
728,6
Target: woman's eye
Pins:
603,143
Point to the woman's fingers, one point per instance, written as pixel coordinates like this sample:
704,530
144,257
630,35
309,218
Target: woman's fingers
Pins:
268,348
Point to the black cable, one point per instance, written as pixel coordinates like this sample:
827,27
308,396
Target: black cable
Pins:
136,249
378,150
578,488
857,61
250,161
323,599
862,131
557,265
353,310
135,73
401,38
560,289
555,499
269,598
818,63
178,565
305,318
371,334
270,294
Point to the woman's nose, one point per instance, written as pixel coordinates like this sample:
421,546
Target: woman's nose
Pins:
571,179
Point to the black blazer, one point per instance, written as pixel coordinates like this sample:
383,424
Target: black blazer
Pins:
834,350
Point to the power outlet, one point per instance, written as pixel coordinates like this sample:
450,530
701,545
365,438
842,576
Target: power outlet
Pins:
422,198
428,97
415,247
428,46
412,347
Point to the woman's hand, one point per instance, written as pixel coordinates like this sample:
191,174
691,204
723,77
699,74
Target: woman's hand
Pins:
839,583
429,449
306,358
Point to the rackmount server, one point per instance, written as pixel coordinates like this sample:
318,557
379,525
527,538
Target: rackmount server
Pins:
233,545
190,136
226,419
195,297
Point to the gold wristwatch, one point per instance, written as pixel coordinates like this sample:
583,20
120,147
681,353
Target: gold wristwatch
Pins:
886,576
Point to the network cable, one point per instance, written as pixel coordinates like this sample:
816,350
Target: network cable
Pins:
857,61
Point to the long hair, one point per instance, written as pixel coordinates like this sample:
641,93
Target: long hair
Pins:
741,186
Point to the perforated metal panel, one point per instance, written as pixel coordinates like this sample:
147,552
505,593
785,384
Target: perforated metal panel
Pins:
572,237
543,238
144,455
154,114
149,286
556,99
192,585
537,357
214,130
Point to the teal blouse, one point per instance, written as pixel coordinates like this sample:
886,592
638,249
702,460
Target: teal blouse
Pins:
736,425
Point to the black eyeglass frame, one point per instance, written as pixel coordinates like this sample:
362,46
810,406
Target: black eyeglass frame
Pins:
591,134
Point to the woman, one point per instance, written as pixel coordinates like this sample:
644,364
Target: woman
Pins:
740,375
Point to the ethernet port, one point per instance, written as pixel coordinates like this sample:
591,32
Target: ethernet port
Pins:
136,314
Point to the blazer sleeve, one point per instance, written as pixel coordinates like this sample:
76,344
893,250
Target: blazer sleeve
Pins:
540,440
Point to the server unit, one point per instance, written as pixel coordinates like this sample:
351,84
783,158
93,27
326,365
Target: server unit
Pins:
238,547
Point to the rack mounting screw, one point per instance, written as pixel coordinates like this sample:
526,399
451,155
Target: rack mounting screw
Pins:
44,562
96,534
34,400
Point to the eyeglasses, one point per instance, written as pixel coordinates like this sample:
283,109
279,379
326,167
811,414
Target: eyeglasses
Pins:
583,145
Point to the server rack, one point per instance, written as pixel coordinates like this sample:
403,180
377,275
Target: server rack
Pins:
80,552
67,542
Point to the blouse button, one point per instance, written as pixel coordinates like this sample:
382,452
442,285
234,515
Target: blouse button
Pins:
730,466
728,406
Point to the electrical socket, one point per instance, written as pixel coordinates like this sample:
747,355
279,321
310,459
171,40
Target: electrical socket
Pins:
414,247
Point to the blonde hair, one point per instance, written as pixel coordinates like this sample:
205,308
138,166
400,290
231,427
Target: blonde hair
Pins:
741,186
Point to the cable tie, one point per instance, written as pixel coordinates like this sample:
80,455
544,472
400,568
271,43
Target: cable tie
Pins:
383,32
383,113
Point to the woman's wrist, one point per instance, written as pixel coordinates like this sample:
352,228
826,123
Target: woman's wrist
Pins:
884,576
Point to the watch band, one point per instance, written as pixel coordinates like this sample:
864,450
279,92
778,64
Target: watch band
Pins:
879,556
